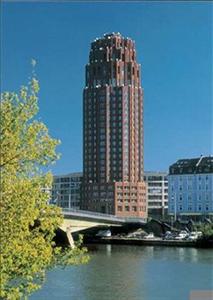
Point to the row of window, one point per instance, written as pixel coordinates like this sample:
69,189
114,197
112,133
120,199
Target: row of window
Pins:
102,130
157,190
71,199
101,156
133,199
103,103
102,160
190,208
114,112
101,187
102,149
189,198
69,191
127,194
104,70
67,179
101,55
157,203
189,187
114,82
133,208
159,184
190,178
101,124
155,178
103,194
157,197
190,170
91,94
127,187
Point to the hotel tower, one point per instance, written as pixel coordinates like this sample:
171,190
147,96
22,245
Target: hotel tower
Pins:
113,130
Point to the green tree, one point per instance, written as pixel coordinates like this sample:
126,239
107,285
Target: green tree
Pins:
207,230
28,223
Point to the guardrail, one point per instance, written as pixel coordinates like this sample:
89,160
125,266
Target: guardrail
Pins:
101,216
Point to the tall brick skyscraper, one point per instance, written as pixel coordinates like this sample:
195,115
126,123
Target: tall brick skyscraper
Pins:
113,130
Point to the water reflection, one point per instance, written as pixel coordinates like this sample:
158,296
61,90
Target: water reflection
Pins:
108,250
132,273
116,272
181,254
194,255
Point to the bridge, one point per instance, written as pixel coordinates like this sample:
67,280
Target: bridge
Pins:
78,220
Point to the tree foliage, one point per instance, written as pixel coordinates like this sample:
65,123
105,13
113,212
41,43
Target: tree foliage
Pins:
207,230
27,221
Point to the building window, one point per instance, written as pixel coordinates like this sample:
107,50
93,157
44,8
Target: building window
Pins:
134,208
119,208
126,208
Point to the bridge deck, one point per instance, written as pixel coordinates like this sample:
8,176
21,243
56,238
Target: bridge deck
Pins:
99,217
78,220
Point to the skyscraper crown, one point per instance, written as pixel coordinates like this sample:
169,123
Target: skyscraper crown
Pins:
112,61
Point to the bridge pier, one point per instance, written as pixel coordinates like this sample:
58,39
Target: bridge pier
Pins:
77,220
69,237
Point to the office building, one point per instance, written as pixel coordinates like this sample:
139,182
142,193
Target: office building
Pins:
66,190
191,188
157,194
113,129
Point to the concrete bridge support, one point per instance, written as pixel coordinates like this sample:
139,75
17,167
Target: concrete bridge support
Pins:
69,237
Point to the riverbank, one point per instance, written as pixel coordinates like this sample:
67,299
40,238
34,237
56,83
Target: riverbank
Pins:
148,242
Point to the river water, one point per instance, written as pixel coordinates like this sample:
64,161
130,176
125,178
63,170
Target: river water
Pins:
132,273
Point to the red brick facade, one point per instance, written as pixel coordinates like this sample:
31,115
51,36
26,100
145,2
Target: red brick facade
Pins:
113,129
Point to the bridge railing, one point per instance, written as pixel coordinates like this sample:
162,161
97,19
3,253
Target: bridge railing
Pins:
85,213
93,213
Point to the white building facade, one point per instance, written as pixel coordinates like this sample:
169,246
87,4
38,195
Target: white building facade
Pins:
191,188
66,190
157,194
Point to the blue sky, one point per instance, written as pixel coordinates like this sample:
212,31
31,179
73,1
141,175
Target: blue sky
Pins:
174,46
